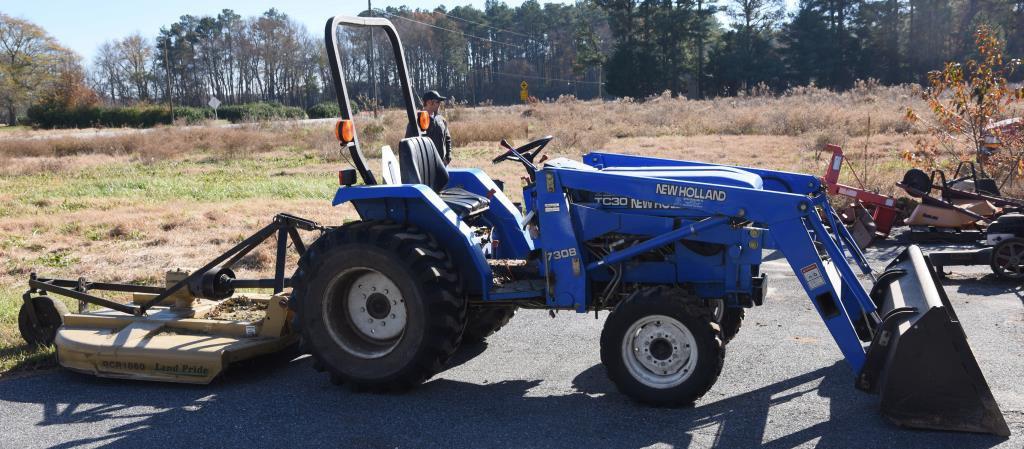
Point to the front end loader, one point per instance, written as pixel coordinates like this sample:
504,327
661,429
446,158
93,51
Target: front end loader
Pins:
670,249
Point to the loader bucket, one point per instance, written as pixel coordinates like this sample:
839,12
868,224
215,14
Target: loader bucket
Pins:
919,359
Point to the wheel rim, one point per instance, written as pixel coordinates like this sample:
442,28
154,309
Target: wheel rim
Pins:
365,312
1008,258
659,351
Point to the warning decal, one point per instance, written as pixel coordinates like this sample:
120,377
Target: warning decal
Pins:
812,276
847,192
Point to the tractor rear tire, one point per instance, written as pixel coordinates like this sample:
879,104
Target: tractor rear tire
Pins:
662,347
354,282
484,321
49,318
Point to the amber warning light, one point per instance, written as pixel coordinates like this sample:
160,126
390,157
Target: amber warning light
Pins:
424,120
345,131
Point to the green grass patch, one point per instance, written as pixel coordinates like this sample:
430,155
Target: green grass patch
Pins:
206,180
22,357
11,241
58,259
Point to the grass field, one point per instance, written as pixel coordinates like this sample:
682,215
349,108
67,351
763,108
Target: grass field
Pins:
126,206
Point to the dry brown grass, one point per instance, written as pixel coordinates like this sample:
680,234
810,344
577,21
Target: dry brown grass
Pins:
799,112
38,152
825,116
107,231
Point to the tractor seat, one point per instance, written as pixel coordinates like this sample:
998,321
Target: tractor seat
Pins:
420,164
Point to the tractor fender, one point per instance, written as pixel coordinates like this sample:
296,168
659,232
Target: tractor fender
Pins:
420,206
502,213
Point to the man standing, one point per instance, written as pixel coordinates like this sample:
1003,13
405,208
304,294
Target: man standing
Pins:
438,130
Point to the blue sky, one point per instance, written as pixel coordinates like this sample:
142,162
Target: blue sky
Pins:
83,25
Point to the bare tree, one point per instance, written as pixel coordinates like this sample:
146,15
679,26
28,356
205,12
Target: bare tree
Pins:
30,60
136,58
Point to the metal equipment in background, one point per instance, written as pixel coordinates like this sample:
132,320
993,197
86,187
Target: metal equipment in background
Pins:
871,215
965,204
670,249
1002,249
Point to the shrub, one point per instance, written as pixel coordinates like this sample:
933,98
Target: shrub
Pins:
113,117
256,112
192,115
965,99
145,116
324,110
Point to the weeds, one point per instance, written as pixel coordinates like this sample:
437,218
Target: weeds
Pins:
61,258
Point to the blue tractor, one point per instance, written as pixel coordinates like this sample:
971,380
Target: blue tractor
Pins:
671,249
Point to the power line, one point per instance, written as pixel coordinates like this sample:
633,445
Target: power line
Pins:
520,75
488,26
452,31
515,75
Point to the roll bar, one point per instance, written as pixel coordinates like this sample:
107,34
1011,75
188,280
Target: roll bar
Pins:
341,89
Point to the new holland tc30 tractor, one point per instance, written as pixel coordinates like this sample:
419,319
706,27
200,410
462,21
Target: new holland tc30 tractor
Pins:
671,249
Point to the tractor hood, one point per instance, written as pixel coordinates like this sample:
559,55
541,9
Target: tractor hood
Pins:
705,174
711,174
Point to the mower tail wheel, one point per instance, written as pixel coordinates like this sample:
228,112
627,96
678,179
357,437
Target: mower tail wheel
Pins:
379,305
49,316
662,347
484,321
1008,259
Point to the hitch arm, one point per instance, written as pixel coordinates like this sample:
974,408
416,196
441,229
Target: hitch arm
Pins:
285,226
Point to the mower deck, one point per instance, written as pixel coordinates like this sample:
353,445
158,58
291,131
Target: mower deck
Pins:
169,344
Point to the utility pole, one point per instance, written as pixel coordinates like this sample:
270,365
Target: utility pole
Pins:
700,48
167,67
373,60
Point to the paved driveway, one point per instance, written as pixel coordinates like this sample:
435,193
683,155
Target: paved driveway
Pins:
538,383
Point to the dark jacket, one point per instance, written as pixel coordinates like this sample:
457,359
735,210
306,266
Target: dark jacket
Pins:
437,132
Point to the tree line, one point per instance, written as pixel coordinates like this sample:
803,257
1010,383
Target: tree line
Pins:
683,46
591,48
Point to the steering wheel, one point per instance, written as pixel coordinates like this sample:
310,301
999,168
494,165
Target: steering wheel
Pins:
525,153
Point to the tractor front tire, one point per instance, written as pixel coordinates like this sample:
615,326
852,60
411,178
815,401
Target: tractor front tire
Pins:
484,321
49,318
729,319
379,305
662,347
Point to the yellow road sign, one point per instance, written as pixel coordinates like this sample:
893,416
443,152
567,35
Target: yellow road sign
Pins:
524,93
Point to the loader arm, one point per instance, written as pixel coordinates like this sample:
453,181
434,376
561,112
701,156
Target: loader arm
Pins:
918,358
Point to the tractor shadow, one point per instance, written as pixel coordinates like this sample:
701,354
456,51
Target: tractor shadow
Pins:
291,405
745,420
